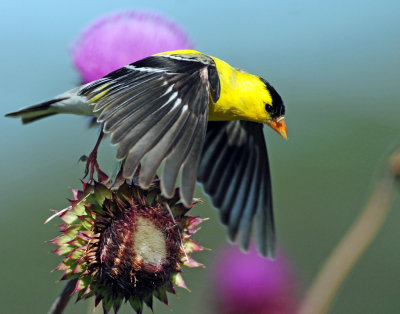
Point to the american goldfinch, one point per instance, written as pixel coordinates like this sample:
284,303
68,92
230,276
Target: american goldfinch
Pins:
200,116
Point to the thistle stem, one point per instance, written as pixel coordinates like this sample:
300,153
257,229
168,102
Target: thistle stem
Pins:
348,251
62,300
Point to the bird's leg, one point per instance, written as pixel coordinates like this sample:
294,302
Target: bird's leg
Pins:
91,162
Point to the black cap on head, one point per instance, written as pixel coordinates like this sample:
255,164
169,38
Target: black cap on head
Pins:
277,108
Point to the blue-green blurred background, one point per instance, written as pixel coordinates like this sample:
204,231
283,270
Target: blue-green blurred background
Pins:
335,63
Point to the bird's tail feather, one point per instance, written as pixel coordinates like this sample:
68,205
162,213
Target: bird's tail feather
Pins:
36,112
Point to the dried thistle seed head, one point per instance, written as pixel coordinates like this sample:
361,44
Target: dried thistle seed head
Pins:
125,244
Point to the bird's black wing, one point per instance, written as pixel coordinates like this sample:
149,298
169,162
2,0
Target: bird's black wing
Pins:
157,108
234,171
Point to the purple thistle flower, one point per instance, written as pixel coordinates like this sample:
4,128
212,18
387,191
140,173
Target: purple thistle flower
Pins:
247,283
120,38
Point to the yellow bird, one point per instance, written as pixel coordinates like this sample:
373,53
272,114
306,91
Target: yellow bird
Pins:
198,115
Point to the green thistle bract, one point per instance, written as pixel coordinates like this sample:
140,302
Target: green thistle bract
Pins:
122,244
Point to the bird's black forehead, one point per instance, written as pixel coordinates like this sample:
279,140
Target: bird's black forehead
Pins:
278,108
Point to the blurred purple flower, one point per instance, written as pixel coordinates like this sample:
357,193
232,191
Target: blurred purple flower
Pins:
247,283
120,38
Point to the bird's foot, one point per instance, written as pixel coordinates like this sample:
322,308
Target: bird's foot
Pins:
92,165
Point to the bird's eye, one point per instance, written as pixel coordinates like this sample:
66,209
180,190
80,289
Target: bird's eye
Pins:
268,107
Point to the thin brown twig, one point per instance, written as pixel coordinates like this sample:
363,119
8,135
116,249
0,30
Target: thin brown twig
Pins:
350,248
62,300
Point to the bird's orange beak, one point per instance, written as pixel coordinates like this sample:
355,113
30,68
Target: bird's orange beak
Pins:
279,126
